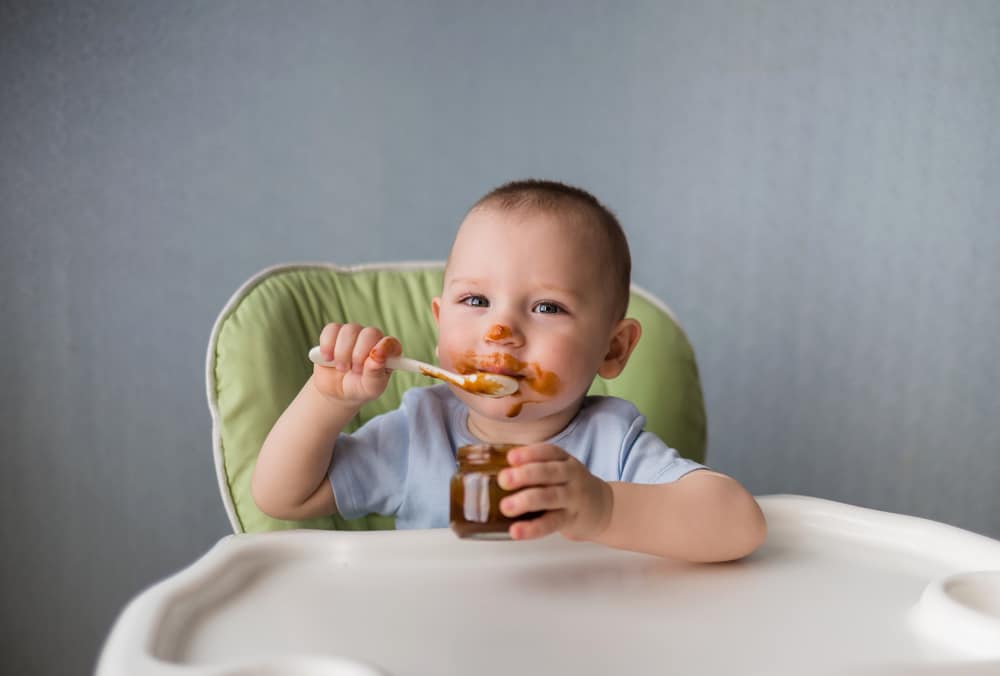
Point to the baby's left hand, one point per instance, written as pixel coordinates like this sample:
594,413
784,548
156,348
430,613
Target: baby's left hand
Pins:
576,503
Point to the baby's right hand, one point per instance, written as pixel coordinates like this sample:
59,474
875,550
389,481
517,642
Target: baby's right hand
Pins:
358,353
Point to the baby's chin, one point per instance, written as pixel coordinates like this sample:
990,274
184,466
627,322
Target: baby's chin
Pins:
512,409
494,408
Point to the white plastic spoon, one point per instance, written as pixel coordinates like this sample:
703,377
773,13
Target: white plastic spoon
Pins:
486,384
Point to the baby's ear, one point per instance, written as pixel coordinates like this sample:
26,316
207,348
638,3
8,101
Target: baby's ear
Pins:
436,311
624,338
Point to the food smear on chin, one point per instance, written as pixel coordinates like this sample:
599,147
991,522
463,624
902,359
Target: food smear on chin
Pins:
515,409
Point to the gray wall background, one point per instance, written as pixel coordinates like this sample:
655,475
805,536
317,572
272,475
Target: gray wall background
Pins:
813,187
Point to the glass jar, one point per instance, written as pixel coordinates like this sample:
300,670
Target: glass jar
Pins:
476,495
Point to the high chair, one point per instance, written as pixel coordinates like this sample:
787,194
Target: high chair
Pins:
257,363
835,589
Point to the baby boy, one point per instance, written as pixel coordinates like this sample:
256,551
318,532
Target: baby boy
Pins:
536,287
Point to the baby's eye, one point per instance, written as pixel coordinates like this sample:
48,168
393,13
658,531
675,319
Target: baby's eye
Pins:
475,301
548,308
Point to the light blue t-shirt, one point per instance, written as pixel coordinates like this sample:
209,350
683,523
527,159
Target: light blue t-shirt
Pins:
400,463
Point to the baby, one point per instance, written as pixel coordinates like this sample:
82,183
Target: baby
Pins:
536,287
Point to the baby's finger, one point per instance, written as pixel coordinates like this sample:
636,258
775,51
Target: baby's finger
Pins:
344,347
367,339
534,474
546,524
535,453
535,499
327,339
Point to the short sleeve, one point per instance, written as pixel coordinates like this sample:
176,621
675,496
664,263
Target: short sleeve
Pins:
646,459
368,468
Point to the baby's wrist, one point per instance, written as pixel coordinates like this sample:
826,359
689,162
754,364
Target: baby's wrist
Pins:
340,404
605,508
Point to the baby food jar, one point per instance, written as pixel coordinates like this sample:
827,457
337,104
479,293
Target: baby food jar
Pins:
476,495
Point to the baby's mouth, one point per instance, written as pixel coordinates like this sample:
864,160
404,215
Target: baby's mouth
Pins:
499,370
500,363
545,383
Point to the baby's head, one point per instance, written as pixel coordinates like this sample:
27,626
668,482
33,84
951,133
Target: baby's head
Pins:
583,219
537,285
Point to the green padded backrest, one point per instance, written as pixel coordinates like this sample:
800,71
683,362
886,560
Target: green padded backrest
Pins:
257,363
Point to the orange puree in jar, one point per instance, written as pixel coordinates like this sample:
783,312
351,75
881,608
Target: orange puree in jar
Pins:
475,494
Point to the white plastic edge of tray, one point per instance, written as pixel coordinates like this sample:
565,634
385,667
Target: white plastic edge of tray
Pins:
144,622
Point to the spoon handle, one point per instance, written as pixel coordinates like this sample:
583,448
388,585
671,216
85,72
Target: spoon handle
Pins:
414,366
399,364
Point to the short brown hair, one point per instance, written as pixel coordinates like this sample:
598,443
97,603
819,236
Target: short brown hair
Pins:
559,198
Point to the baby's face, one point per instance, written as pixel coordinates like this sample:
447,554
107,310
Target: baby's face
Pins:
524,296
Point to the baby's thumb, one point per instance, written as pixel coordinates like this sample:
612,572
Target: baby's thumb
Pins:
375,373
385,348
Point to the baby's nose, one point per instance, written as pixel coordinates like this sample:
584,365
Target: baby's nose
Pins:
502,334
498,332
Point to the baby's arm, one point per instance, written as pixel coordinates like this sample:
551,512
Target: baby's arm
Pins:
703,516
289,480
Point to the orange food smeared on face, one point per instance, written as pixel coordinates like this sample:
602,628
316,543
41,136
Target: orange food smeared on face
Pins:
498,362
543,382
498,332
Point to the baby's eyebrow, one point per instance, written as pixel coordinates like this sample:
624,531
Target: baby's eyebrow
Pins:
561,290
463,280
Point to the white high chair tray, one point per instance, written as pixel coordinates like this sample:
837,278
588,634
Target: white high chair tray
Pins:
835,590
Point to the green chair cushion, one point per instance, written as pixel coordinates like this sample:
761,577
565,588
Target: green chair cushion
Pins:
257,363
